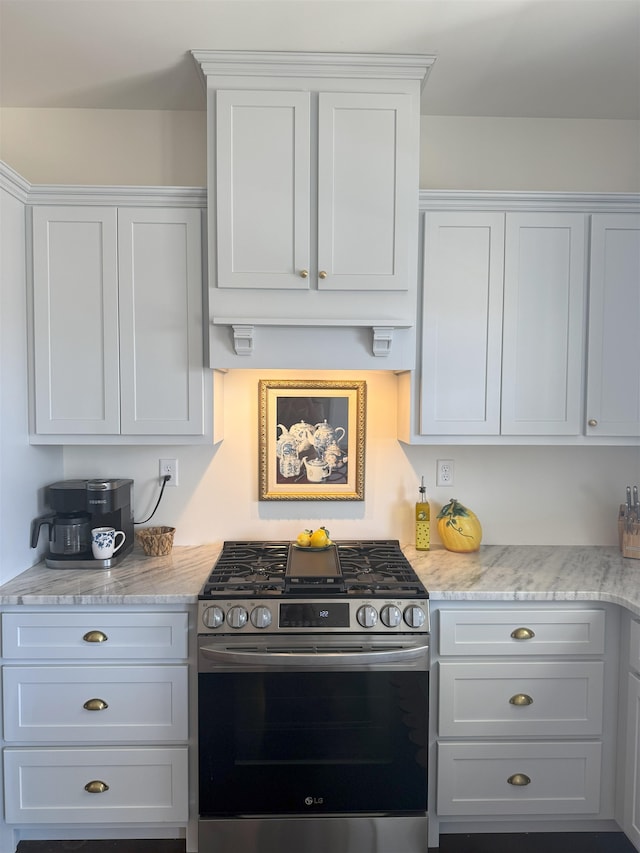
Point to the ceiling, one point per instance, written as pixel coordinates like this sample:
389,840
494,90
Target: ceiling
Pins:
516,58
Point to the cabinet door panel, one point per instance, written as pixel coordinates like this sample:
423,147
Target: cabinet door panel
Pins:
142,704
262,189
364,167
564,778
161,323
462,317
613,385
564,698
543,324
75,308
48,785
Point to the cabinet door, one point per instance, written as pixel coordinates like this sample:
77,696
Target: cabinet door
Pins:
161,321
544,315
262,189
462,323
542,348
366,191
632,770
613,383
75,320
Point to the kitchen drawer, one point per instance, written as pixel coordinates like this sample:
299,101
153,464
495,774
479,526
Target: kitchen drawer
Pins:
143,785
94,635
47,703
634,645
523,698
564,778
546,632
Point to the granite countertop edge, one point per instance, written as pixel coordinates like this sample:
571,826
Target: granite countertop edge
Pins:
516,573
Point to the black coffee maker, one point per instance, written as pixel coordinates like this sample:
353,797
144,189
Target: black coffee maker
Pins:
77,507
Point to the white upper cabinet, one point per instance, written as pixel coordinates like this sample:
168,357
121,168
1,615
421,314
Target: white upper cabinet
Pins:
313,168
543,324
613,385
503,319
118,323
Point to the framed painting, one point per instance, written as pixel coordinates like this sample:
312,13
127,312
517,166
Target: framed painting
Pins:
312,439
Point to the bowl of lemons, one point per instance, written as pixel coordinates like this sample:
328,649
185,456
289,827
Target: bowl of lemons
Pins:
313,540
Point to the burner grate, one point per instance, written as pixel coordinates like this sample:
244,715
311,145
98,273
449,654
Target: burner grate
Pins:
366,566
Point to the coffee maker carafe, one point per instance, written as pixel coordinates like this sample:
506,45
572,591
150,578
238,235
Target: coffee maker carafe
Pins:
78,506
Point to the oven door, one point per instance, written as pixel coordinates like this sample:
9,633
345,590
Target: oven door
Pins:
330,727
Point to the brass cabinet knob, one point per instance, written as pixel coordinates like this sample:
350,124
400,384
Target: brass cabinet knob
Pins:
95,705
96,787
304,273
592,422
521,699
322,274
522,634
95,637
519,780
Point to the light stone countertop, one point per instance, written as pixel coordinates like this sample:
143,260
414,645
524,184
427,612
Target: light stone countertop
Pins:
495,573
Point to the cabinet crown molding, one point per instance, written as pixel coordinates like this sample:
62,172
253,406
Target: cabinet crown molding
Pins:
575,202
313,64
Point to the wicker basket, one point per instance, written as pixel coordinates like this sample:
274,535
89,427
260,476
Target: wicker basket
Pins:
156,541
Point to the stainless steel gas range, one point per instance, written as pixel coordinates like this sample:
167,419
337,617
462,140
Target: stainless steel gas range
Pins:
313,677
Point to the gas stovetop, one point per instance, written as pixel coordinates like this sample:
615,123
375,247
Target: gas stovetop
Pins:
370,568
350,587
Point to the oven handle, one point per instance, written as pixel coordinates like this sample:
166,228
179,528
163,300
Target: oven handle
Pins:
315,659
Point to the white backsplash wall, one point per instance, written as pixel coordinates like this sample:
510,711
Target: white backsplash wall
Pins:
522,495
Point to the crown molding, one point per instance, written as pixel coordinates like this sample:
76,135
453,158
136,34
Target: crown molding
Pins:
222,63
13,183
516,200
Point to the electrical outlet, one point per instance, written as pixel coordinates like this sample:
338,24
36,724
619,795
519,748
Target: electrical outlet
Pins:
444,472
170,467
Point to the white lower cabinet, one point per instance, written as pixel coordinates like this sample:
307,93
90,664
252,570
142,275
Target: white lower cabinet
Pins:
630,754
74,786
525,727
96,723
501,778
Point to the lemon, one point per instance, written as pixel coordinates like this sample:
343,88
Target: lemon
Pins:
304,539
320,538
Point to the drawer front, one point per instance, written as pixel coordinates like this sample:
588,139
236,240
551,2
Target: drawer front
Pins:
555,778
65,703
634,645
521,632
524,698
92,635
142,785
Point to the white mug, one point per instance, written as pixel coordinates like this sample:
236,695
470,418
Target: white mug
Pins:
103,542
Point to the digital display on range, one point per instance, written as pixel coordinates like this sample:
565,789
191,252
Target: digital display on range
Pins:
314,615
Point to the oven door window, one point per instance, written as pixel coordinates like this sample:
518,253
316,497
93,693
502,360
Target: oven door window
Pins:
276,743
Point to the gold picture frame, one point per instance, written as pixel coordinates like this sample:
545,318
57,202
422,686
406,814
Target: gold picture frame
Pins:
311,440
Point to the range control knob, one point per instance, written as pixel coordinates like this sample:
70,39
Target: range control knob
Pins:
414,616
261,617
367,616
213,617
391,616
237,617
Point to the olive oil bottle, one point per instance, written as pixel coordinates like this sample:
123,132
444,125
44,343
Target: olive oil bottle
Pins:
423,520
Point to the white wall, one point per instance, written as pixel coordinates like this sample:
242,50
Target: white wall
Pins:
473,153
522,495
24,470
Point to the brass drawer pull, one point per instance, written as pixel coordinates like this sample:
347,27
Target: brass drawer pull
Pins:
322,274
96,787
95,637
522,634
521,699
95,705
519,780
304,273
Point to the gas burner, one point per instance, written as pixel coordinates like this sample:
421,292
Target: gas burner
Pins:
376,568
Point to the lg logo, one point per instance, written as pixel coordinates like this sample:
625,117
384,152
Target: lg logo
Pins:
313,801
